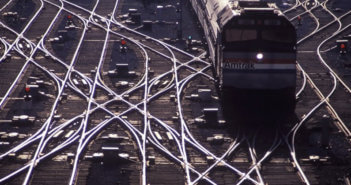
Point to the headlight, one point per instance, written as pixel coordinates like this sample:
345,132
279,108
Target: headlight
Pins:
259,56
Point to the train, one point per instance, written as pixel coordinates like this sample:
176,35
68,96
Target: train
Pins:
252,46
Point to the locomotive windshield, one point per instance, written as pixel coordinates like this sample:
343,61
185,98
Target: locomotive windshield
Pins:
233,35
248,34
276,35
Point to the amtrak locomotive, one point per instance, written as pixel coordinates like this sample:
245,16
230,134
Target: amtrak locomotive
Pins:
252,46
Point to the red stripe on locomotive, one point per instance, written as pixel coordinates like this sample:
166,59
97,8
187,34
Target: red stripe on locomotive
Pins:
263,61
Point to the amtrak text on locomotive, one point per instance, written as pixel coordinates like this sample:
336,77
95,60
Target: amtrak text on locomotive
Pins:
238,66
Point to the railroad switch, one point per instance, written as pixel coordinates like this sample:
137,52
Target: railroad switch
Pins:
63,35
132,10
98,156
211,115
2,144
110,96
193,97
32,79
110,154
11,156
122,69
315,159
210,160
151,160
147,25
93,71
129,22
40,83
123,84
64,96
112,73
173,98
347,37
135,17
58,39
199,121
216,139
169,136
124,157
70,156
204,94
24,157
221,122
158,136
342,46
151,72
169,40
11,16
57,117
47,56
160,12
114,138
175,118
14,135
124,17
7,57
164,83
4,136
126,97
31,88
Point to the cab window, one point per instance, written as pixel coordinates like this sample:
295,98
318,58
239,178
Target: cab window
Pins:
278,35
233,35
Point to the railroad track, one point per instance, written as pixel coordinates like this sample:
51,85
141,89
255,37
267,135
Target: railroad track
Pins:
151,106
313,61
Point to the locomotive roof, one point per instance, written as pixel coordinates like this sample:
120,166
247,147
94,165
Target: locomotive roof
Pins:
227,9
243,7
215,14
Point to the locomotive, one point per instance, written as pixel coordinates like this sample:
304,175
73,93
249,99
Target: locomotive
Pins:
252,46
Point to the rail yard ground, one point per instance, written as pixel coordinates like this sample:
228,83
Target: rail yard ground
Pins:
111,92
